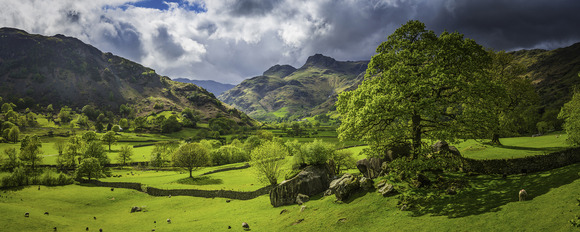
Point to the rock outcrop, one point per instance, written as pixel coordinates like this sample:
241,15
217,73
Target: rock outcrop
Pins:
442,146
343,187
310,181
370,167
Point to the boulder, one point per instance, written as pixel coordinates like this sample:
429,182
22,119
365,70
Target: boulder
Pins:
344,186
301,198
442,146
381,184
387,190
370,167
366,183
310,181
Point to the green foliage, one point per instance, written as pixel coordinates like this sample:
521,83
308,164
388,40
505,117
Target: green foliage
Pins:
65,114
222,125
228,154
116,128
17,178
570,113
89,136
10,161
268,159
160,155
125,154
13,134
418,85
30,152
124,124
60,146
317,152
342,160
109,138
171,124
90,168
7,107
251,143
190,156
95,150
190,118
51,178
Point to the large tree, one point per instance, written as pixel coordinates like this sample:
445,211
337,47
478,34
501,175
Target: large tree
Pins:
190,156
512,106
90,168
125,154
418,86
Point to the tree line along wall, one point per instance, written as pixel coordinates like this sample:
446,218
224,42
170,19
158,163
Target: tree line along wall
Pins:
523,165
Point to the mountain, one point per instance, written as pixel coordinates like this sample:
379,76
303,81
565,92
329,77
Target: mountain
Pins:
554,72
284,90
62,70
214,87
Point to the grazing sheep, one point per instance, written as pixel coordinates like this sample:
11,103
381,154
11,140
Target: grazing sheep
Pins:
46,213
523,194
87,229
169,221
112,189
95,218
245,225
54,228
26,214
100,230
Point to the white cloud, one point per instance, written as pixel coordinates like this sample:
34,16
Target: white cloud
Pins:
233,39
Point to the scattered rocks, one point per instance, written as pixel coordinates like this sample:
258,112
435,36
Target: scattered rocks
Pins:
46,213
245,225
310,181
442,146
404,207
135,209
283,211
381,184
298,222
229,227
301,198
522,195
327,193
302,208
26,214
169,220
342,220
366,183
228,201
387,190
344,186
112,189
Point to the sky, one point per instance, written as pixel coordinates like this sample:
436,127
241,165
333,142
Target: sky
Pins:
231,40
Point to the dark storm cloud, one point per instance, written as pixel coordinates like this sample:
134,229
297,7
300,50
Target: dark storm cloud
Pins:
166,44
510,25
125,40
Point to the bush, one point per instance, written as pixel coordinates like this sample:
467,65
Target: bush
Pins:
228,154
317,152
17,178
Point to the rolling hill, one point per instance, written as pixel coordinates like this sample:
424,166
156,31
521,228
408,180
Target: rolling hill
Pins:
214,87
283,90
62,70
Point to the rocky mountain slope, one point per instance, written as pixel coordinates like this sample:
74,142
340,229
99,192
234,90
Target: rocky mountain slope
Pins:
62,70
284,90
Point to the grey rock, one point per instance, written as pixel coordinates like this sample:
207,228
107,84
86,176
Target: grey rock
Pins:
310,181
344,186
366,183
370,168
387,190
135,209
301,198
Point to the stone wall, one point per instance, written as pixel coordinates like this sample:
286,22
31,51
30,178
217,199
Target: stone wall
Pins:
523,165
238,195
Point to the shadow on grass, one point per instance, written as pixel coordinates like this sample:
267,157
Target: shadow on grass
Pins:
487,193
544,149
202,180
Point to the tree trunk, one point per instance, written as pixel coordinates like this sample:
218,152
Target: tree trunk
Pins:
190,170
495,139
416,133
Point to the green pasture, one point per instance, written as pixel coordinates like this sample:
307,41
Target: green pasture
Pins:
488,204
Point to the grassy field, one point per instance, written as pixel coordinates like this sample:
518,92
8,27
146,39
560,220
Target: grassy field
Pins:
490,204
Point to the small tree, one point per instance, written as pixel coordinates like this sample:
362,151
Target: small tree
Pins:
109,138
570,113
60,146
161,151
317,152
268,158
124,124
65,114
89,136
11,161
13,134
125,154
342,159
190,156
90,168
30,152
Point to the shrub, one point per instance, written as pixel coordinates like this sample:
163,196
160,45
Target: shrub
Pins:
228,154
317,152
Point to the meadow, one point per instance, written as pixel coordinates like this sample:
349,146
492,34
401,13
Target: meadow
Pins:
489,203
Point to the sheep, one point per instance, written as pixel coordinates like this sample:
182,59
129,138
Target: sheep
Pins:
523,194
245,225
46,213
26,214
169,221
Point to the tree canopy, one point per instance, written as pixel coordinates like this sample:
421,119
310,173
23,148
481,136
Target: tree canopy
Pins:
571,114
419,85
190,156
